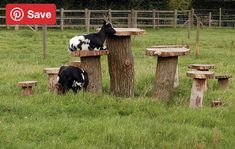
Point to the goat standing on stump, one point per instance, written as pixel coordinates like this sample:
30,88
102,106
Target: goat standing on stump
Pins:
92,41
74,78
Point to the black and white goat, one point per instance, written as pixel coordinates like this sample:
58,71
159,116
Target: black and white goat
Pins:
74,78
93,41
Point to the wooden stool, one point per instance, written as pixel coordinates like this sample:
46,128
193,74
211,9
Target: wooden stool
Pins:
52,79
166,69
27,87
223,80
90,62
176,81
216,103
198,86
202,67
75,63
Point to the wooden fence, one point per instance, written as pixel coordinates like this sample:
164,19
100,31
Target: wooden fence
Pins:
138,18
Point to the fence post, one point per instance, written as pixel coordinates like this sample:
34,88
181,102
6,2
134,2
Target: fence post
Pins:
8,26
133,18
220,15
197,37
154,17
62,19
110,15
44,27
129,20
209,19
189,24
16,27
175,18
158,15
87,14
192,19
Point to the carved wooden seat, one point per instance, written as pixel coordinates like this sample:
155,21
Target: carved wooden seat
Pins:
52,79
27,87
198,86
223,80
90,62
201,67
166,71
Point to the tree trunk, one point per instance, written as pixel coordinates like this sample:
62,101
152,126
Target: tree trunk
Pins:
52,81
197,92
165,77
223,83
92,65
121,66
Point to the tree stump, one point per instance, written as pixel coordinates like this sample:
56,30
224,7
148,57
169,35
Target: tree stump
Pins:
216,103
27,87
166,69
75,63
198,87
202,67
121,62
223,80
53,85
90,62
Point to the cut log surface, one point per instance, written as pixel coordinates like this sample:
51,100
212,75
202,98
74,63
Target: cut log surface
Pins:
86,53
200,74
51,70
223,76
167,51
170,46
201,67
27,83
127,31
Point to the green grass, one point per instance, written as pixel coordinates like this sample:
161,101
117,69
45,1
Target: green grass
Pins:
85,120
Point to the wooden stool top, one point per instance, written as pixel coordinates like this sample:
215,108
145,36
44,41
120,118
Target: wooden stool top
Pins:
127,31
201,67
168,50
75,63
200,74
223,76
86,53
51,70
27,83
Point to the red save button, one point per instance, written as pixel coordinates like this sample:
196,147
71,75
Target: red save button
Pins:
31,14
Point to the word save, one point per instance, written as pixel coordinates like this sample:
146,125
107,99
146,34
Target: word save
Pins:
32,14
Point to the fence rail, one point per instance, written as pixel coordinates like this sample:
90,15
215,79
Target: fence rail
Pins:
138,18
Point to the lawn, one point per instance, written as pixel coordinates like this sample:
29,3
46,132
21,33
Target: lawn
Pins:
86,120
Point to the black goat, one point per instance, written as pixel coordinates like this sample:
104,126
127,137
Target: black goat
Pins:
93,41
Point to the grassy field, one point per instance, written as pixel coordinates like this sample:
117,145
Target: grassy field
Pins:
85,120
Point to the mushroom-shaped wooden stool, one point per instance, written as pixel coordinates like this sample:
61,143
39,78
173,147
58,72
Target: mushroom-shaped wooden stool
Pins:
198,86
166,68
216,103
202,67
52,79
223,80
27,87
75,63
90,62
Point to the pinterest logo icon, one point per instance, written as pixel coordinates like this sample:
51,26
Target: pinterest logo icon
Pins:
17,14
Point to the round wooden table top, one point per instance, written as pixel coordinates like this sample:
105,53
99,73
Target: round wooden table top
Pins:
127,31
223,76
26,83
51,70
202,67
200,74
168,50
86,53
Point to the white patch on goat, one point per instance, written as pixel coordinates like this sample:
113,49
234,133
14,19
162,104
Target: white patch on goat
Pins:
96,49
75,84
75,41
57,79
85,46
83,77
82,70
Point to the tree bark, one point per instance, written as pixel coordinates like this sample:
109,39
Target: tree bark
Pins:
223,83
197,92
93,67
121,66
27,91
165,77
52,81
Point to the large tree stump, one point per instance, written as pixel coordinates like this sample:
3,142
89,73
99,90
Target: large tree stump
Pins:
53,85
202,67
75,63
90,62
27,87
198,87
121,62
223,80
166,69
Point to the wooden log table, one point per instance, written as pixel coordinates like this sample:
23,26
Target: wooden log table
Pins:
90,62
27,87
166,69
52,79
199,81
202,67
121,61
223,80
